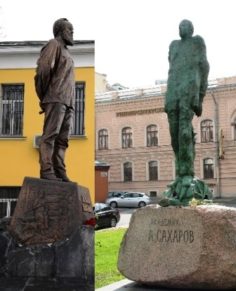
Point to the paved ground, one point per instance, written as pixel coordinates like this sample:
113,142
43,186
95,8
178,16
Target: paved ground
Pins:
127,285
231,201
125,215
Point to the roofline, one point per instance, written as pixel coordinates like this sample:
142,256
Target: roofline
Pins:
134,94
38,43
34,47
24,54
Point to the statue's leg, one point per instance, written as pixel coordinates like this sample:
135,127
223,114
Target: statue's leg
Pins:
53,119
173,118
186,142
61,144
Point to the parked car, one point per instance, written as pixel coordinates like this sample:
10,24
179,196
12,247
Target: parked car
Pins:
132,199
115,194
105,215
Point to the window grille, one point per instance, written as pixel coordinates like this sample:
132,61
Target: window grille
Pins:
78,126
127,137
153,170
128,172
11,110
234,127
207,131
7,207
208,168
102,139
152,139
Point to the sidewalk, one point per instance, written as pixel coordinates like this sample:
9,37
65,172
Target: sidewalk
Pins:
229,201
128,285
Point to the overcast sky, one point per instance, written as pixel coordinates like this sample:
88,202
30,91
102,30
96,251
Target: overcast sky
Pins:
131,36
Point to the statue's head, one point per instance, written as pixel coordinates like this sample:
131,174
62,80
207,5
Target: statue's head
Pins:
64,29
186,29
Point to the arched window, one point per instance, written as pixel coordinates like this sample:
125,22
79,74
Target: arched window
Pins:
153,170
234,128
126,137
127,169
207,130
152,139
208,168
103,139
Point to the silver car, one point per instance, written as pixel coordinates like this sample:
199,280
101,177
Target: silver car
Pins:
132,199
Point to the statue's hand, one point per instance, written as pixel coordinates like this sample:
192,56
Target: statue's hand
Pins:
198,109
42,107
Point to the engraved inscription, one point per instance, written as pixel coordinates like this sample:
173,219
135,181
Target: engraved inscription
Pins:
86,203
165,222
140,112
170,230
171,236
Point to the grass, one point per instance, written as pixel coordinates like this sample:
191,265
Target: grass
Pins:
107,245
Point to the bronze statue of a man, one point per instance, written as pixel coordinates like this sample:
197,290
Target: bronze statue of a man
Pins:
55,87
186,87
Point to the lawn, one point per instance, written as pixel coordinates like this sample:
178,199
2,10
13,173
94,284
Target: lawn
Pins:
107,244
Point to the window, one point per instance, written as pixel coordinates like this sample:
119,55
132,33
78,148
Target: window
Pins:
137,195
128,172
153,193
128,195
153,171
7,207
102,139
208,168
234,128
126,137
11,110
207,131
152,139
78,127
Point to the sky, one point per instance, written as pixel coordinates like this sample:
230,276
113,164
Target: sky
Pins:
132,37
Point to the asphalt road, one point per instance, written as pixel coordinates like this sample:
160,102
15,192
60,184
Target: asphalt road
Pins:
125,215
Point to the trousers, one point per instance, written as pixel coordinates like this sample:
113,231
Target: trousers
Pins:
54,142
182,140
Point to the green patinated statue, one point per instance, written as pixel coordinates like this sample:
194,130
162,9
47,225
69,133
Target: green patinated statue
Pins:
186,88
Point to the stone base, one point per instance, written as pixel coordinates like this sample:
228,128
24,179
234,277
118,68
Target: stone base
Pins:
48,211
71,258
181,247
43,284
183,190
49,239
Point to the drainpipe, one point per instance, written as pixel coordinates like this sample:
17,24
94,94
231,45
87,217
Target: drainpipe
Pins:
216,120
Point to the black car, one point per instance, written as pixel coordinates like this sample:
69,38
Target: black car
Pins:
105,215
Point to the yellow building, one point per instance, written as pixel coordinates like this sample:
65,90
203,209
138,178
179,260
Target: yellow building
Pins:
21,124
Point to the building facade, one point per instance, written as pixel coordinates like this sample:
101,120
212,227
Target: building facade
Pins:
21,124
132,136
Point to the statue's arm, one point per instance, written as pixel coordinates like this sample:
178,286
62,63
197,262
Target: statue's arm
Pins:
46,66
172,49
204,68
